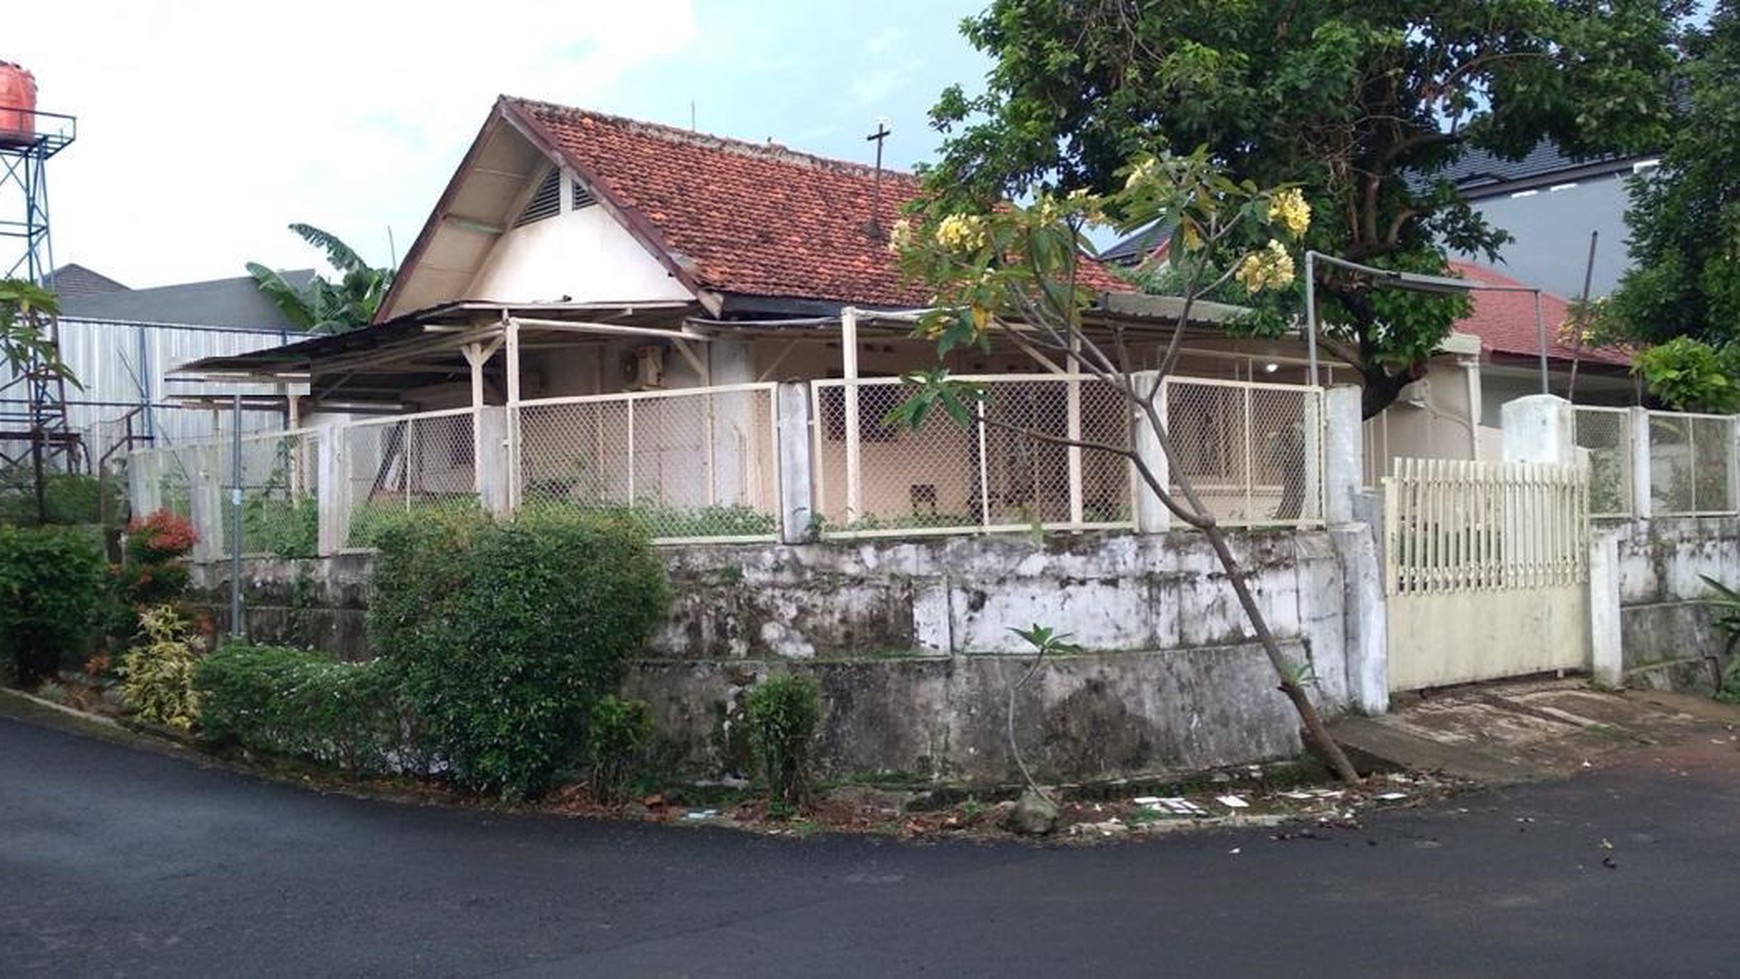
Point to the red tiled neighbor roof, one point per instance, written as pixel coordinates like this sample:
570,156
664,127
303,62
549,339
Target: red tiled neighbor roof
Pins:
740,217
1505,321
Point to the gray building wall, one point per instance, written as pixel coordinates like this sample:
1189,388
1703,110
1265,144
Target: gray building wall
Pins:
1552,227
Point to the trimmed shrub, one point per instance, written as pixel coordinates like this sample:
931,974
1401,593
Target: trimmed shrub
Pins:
155,572
618,734
157,674
51,579
783,714
507,634
302,704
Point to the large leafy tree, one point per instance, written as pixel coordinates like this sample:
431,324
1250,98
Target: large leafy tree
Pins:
323,306
1363,104
1685,215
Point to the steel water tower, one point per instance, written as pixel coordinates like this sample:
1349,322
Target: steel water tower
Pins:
32,404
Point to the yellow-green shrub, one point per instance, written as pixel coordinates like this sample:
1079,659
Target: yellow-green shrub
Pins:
157,675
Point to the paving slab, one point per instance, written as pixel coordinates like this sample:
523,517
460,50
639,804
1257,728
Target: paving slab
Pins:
1518,731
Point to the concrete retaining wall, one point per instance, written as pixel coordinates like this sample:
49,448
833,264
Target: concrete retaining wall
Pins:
1665,631
912,643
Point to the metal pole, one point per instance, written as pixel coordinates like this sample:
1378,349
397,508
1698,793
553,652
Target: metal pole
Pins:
1541,337
236,516
1311,313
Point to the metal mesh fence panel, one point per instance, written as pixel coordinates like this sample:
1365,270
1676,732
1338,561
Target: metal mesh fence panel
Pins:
1253,453
689,465
1691,463
1605,434
1005,469
414,462
280,493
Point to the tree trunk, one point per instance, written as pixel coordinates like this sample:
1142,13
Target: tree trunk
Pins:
1315,732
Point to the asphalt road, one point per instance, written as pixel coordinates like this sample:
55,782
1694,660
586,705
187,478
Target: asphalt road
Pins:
118,861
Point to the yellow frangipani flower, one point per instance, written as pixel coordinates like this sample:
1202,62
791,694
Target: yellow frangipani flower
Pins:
1290,210
962,233
1269,267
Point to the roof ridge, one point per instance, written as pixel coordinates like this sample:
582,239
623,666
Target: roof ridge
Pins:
776,152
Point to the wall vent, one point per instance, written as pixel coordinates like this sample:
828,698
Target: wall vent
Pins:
546,200
582,197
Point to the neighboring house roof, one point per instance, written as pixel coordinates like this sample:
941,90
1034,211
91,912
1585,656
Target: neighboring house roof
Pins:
1479,173
1139,246
73,279
1505,321
233,302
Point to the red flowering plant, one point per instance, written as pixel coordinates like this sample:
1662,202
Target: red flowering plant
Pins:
154,572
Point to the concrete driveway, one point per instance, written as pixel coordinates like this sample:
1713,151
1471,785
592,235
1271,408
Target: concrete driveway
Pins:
120,861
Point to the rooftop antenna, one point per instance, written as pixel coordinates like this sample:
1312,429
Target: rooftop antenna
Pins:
692,127
882,133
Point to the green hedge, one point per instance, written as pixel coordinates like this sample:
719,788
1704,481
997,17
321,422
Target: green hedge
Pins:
506,634
304,705
51,580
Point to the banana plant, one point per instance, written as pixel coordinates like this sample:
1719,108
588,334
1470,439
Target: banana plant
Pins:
323,306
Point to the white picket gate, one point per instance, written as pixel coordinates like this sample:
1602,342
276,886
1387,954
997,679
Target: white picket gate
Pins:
1486,570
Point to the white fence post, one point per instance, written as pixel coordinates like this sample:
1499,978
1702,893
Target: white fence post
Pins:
332,488
497,477
1540,428
1642,500
1344,453
796,505
205,502
1606,640
1152,517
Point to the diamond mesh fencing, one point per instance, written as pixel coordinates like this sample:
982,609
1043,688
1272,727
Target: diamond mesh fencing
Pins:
401,464
1252,452
688,465
1605,435
1004,470
280,492
1691,463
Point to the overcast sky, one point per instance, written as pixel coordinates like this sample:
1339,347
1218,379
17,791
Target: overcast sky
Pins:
206,127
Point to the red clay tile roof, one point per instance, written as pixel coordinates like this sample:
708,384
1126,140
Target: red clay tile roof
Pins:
742,217
1505,321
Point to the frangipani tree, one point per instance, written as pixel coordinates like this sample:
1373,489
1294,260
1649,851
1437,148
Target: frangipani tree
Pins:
1016,275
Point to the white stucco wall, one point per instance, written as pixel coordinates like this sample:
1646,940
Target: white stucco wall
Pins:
584,255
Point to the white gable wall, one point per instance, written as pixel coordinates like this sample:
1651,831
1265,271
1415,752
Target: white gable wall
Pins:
584,255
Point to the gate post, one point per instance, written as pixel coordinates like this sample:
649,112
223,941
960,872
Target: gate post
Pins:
1540,428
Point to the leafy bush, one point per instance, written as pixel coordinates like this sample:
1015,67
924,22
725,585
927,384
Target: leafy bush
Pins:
70,498
618,733
155,573
1690,375
1725,606
157,674
301,704
286,528
783,714
507,634
51,580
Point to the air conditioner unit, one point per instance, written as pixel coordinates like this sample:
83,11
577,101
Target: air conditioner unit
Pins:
645,368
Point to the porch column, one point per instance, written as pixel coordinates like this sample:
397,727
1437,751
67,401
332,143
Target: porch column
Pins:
332,489
476,355
1076,509
1152,517
849,370
511,339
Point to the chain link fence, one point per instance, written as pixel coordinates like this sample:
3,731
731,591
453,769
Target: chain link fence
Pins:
1605,435
689,465
1252,452
1006,469
400,464
280,491
1691,464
